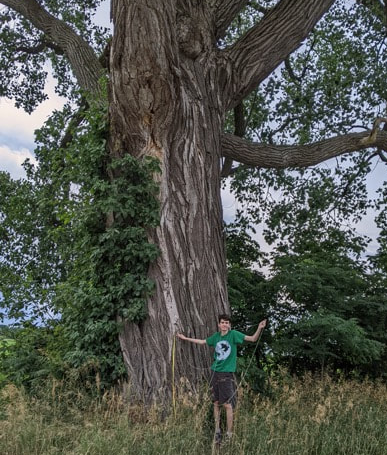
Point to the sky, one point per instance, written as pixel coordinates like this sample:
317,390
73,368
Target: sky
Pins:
17,131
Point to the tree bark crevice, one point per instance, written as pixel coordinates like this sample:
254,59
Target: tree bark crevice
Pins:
224,12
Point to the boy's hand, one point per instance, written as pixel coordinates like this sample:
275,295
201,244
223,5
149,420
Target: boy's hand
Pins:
181,336
262,324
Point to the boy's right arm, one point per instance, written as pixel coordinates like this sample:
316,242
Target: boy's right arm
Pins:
192,340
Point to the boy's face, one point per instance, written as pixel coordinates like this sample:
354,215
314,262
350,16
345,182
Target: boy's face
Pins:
224,326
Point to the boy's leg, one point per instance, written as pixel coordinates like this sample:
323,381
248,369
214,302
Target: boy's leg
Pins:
223,394
227,394
218,433
229,417
217,408
217,416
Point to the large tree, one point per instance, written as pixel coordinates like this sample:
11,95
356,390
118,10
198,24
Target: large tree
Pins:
172,80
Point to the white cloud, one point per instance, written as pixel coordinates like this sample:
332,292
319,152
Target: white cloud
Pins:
15,123
12,160
229,203
102,17
17,130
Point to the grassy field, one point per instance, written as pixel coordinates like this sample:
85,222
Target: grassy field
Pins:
308,417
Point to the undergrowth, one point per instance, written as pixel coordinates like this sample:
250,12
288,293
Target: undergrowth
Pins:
305,417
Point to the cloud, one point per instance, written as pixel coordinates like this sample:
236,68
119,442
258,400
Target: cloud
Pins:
229,204
102,17
17,130
18,127
12,160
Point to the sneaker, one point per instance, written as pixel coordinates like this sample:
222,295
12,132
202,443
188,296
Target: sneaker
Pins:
218,437
228,438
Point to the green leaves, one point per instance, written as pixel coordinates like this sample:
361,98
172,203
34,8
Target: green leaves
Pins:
329,312
322,339
32,355
27,267
114,205
26,53
74,239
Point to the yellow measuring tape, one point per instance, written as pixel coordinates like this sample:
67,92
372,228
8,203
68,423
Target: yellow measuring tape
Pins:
173,375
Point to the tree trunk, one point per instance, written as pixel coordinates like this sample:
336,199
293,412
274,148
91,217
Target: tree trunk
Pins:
160,106
190,272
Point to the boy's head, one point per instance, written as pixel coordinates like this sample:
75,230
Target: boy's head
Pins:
225,317
224,323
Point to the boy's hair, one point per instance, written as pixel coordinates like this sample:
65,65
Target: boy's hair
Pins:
225,317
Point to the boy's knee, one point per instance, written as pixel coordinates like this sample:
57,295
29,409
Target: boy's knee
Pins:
227,405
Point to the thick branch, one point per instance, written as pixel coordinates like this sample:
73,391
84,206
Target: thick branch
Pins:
82,58
284,156
256,54
224,13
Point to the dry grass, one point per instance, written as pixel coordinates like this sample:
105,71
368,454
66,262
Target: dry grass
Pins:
303,417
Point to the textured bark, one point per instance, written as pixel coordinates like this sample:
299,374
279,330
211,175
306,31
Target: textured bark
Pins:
164,103
258,53
225,12
283,156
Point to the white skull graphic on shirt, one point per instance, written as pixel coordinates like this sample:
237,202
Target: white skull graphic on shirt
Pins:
222,350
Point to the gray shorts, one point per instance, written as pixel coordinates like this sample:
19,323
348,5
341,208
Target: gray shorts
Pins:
223,388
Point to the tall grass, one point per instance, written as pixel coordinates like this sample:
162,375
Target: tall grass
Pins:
306,416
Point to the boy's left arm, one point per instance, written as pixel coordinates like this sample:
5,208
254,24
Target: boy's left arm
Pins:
254,338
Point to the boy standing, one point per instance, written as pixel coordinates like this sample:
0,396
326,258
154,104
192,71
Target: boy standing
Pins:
222,379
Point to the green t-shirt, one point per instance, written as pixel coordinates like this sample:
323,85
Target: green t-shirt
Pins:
225,350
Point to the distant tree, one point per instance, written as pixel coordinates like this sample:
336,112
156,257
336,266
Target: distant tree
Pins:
32,355
325,315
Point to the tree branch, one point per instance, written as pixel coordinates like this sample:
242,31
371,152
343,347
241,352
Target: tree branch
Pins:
289,68
381,156
82,58
371,139
354,176
256,54
32,50
239,130
283,156
224,13
75,121
290,71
